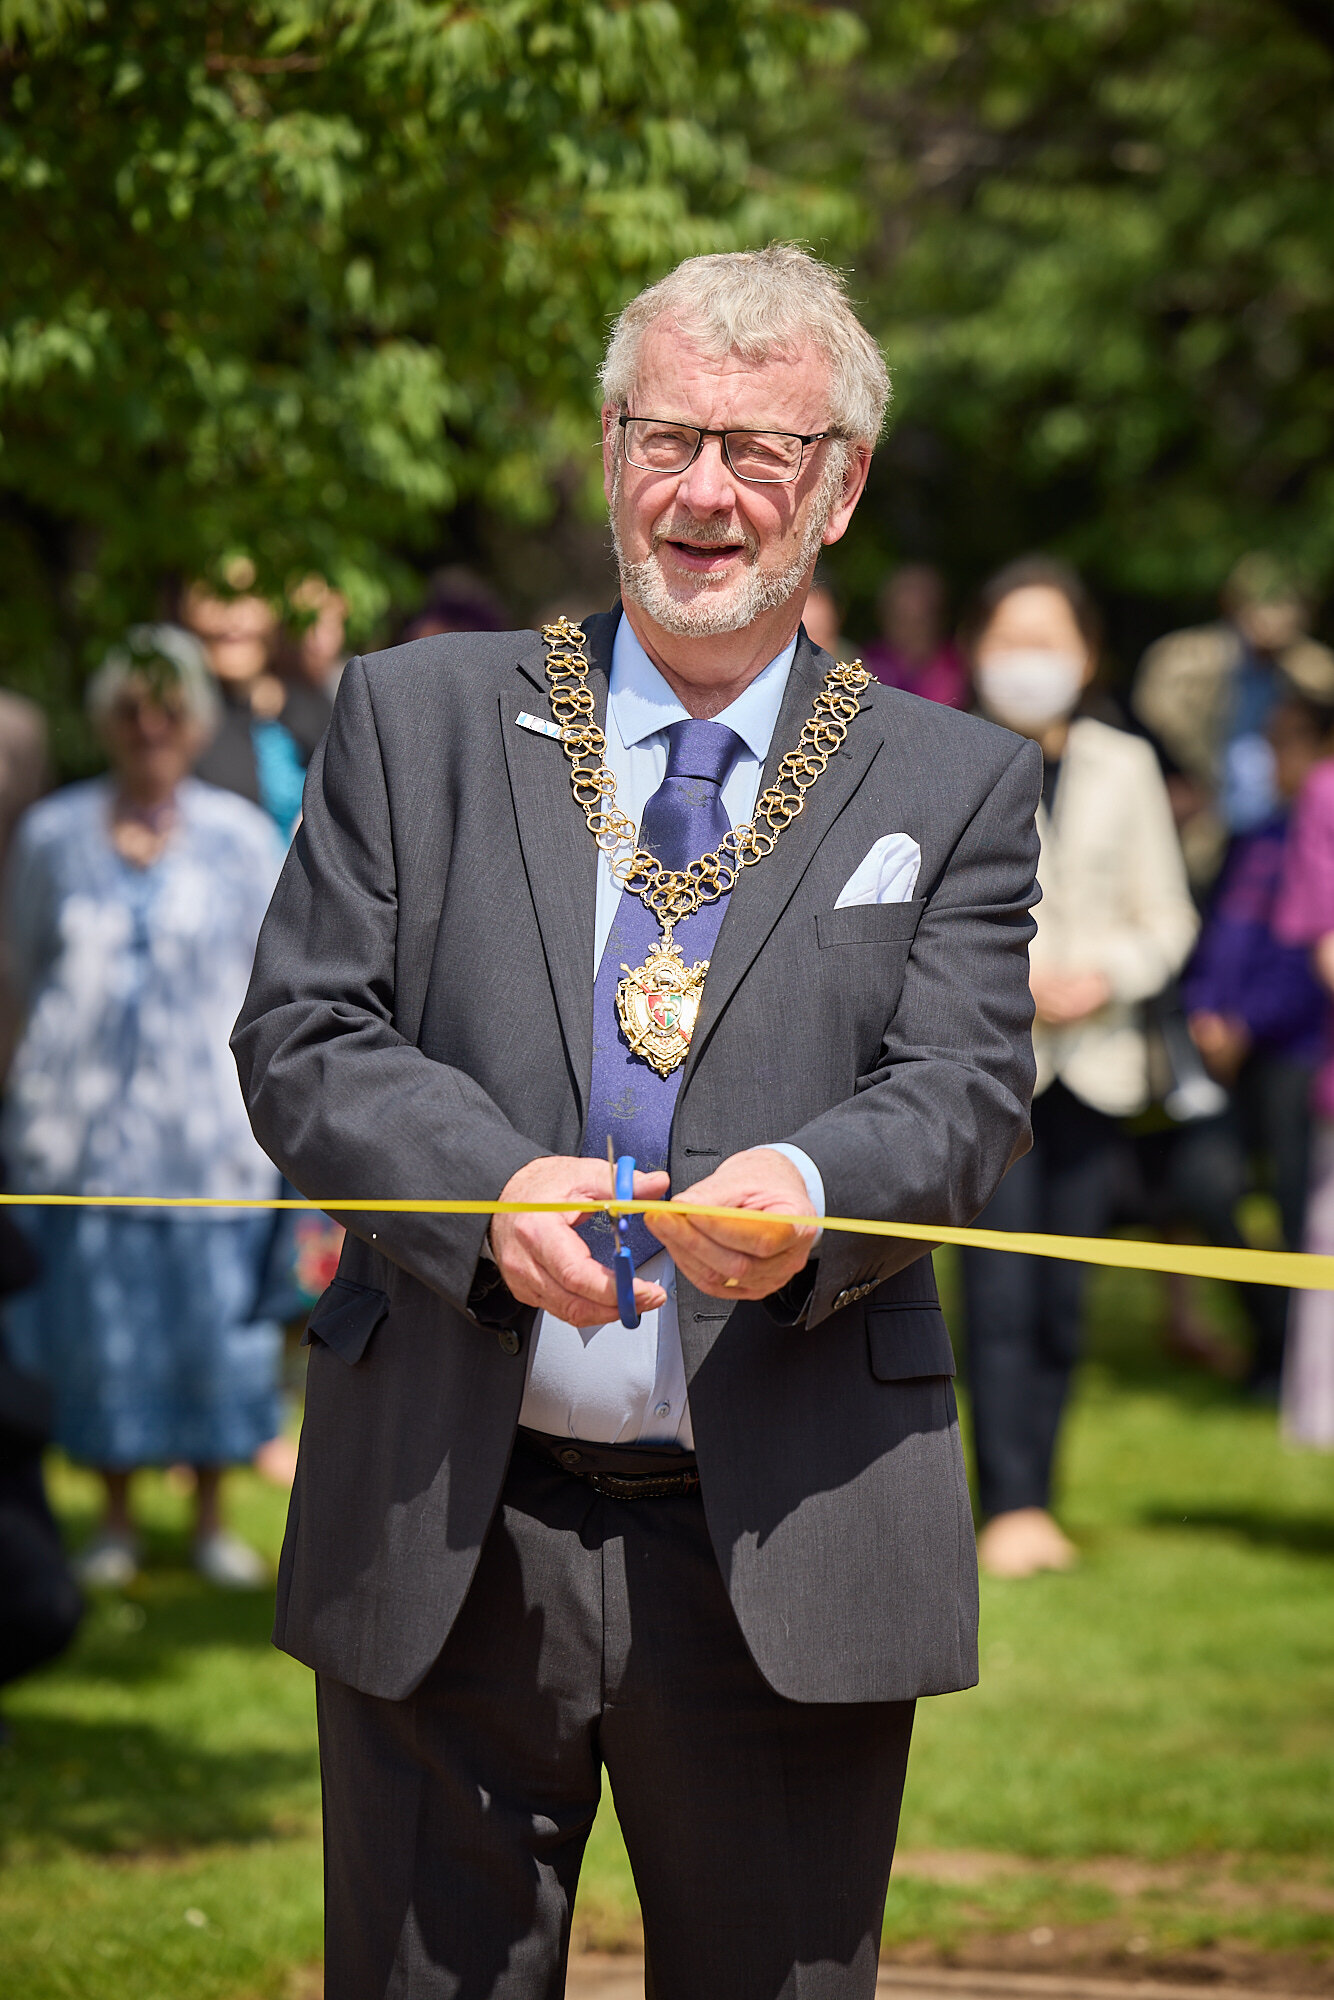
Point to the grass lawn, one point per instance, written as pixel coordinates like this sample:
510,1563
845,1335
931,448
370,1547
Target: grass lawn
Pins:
1144,1778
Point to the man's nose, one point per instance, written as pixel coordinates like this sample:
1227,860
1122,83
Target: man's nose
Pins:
709,485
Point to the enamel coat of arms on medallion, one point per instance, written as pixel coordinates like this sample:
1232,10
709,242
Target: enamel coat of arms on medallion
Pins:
658,1004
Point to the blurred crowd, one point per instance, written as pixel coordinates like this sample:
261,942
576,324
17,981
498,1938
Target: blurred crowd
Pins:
1182,975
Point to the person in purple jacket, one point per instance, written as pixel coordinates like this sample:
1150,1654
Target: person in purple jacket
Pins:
1256,1013
1305,918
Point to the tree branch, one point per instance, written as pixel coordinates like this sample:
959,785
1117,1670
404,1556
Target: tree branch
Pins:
262,65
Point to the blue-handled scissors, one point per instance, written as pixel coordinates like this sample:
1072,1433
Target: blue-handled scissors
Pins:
623,1263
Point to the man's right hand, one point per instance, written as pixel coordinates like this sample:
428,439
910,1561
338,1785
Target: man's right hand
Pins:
544,1263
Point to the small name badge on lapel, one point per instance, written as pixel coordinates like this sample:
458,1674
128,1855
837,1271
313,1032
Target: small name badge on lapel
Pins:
536,724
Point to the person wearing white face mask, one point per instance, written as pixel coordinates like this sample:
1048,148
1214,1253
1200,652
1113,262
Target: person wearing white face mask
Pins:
1115,924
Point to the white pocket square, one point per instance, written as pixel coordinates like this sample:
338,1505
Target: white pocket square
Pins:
888,874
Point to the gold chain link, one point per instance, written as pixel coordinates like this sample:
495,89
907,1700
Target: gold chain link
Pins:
675,893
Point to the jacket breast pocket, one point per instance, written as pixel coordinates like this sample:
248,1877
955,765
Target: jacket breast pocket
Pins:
908,1341
870,923
345,1318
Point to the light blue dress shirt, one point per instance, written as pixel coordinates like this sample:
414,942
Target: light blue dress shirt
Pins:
608,1384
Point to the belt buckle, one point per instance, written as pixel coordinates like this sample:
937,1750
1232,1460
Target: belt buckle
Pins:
641,1486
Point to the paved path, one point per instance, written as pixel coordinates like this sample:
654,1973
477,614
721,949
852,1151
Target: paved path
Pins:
622,1978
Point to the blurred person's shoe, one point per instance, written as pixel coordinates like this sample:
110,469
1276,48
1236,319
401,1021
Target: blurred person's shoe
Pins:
1022,1542
110,1561
229,1563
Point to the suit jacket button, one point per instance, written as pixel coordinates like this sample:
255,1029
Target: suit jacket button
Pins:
509,1340
569,1456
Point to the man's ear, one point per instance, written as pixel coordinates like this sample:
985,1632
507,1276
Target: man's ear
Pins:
855,469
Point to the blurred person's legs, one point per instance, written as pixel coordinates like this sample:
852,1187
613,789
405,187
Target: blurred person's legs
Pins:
1275,1096
1307,1399
597,1632
40,1607
111,1559
146,1329
1149,1204
1276,1104
1025,1325
1002,1303
1210,1172
1213,1167
220,1556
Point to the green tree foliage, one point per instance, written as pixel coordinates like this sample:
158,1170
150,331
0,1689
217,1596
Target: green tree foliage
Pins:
290,279
296,280
1104,270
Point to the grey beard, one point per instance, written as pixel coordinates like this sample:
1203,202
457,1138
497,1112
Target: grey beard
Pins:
716,609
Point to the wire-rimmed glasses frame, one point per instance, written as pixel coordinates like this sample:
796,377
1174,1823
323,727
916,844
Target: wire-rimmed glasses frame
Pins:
689,453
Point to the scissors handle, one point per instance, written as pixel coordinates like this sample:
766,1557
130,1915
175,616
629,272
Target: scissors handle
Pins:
623,1263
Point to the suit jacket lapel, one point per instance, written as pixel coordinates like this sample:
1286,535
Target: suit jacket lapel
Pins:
560,859
764,890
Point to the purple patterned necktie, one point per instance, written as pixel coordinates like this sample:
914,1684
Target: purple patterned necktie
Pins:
684,818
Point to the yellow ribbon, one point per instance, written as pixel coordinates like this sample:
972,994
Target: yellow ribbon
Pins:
1297,1270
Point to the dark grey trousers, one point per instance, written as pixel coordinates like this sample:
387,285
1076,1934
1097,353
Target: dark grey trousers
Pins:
1026,1314
597,1632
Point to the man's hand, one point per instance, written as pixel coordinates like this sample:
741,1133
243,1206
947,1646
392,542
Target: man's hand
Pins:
742,1259
542,1260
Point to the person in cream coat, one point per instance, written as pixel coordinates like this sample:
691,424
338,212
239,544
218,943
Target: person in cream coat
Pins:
1115,923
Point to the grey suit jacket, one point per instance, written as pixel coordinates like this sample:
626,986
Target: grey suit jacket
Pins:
420,1024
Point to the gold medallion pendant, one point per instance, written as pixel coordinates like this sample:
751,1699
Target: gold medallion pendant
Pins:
657,1006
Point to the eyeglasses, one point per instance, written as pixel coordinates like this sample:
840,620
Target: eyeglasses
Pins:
764,458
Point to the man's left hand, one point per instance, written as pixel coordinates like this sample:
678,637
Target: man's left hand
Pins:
742,1259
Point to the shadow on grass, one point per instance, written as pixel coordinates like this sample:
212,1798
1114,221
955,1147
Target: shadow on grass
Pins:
123,1788
1304,1534
106,1752
167,1613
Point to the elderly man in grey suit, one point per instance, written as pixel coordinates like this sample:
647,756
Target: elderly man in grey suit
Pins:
680,880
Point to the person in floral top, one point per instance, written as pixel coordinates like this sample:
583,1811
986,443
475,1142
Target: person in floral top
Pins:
134,905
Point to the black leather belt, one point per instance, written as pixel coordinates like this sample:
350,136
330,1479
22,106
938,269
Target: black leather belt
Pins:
619,1471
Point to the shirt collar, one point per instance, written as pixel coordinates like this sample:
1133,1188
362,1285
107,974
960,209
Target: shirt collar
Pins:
642,703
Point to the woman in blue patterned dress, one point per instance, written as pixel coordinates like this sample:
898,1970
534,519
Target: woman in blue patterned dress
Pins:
134,905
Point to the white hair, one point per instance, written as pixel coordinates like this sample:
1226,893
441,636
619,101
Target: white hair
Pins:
758,303
144,648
